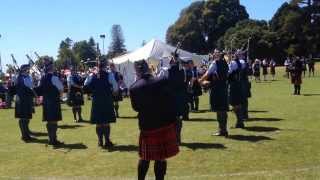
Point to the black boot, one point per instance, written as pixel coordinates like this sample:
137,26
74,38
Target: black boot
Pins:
99,132
143,167
106,133
160,169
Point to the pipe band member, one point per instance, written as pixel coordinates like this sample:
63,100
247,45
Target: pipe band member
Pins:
236,96
51,88
216,78
153,99
24,102
118,96
102,86
75,94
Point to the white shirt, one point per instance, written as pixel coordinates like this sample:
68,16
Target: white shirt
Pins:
163,72
70,81
233,66
27,81
212,68
57,83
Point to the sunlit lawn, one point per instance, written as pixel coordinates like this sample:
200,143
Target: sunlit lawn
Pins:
282,141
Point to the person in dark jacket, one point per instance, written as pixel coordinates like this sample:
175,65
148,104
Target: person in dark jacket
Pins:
153,99
118,96
217,79
24,101
102,86
296,75
75,94
196,88
51,88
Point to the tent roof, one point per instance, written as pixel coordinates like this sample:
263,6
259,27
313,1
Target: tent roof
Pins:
155,49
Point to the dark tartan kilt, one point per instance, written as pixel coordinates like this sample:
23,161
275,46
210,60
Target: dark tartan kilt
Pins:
236,96
219,97
75,99
118,96
296,79
102,111
197,91
24,107
273,71
264,71
51,110
256,73
158,144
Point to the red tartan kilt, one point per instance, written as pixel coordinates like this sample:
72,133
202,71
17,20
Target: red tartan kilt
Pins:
158,144
296,79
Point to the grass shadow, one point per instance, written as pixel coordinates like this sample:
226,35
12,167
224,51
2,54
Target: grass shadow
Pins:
200,120
124,148
37,134
71,146
69,126
85,121
264,119
249,138
256,111
39,141
261,129
202,111
196,146
128,117
311,95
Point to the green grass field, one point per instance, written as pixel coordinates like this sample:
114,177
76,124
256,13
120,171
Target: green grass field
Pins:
282,141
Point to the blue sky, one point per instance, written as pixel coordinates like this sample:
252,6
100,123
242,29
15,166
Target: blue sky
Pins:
40,25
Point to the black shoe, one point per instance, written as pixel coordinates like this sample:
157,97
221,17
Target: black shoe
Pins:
240,125
225,134
56,143
108,145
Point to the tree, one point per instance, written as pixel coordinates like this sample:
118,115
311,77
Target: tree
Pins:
200,25
66,57
117,46
262,43
84,50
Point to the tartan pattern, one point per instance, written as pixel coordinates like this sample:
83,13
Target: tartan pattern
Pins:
296,78
158,144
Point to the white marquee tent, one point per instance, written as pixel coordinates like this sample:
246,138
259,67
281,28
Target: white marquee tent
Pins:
156,53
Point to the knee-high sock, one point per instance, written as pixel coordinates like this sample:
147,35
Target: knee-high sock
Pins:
106,133
22,129
239,115
49,130
143,167
196,102
160,169
74,111
54,131
27,126
222,120
179,128
99,132
244,108
79,113
298,89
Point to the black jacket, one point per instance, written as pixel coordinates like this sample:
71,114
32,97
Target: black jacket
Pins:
153,99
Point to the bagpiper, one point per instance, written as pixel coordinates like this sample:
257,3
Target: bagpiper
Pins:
102,86
24,101
216,78
153,99
51,88
118,96
75,94
236,96
296,75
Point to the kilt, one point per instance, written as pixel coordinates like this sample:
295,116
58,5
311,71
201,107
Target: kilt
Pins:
264,70
236,96
273,70
296,79
256,73
219,97
158,144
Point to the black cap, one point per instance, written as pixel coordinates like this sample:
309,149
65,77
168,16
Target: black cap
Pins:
141,67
